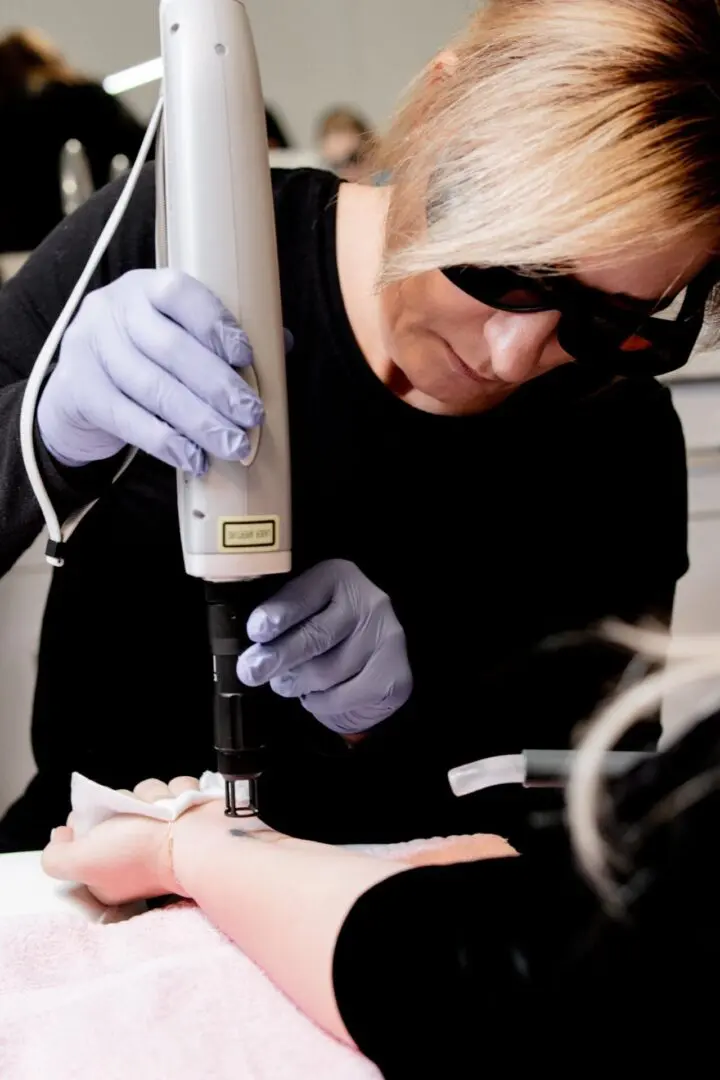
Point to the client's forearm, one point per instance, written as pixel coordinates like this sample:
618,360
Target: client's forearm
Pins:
283,901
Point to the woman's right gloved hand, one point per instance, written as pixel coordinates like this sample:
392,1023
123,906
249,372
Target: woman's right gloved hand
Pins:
149,361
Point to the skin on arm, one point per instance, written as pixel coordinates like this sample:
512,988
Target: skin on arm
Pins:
283,901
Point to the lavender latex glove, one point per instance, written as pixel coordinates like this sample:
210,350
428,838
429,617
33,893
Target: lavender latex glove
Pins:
332,639
149,361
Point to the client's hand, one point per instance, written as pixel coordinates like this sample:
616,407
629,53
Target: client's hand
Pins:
130,857
126,858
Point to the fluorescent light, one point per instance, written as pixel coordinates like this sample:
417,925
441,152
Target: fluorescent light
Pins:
131,78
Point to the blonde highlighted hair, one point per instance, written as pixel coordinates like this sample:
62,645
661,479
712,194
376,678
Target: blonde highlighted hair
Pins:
558,131
686,661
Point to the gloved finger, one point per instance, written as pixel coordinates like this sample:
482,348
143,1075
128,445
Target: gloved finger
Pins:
317,635
297,600
373,695
179,784
111,411
343,710
324,672
124,791
162,396
209,376
151,790
193,306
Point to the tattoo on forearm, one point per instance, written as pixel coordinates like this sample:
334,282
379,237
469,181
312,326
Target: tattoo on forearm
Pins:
268,836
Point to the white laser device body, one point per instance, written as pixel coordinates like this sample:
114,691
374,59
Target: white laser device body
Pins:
217,224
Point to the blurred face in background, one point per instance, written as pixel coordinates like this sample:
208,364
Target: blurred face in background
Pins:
341,150
342,143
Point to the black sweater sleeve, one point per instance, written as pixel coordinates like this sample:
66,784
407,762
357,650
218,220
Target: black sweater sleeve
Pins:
432,968
512,962
30,303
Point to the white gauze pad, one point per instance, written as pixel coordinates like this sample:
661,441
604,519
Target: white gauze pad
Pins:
93,803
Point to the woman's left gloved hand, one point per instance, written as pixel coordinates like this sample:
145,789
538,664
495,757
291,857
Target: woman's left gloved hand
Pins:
332,639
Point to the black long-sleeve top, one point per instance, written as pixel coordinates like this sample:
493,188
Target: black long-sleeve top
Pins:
492,534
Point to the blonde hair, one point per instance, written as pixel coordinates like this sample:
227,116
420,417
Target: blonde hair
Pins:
687,661
561,130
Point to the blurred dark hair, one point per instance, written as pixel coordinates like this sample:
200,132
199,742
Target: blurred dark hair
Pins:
28,60
276,137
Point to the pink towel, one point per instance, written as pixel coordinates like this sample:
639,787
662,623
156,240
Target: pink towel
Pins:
164,996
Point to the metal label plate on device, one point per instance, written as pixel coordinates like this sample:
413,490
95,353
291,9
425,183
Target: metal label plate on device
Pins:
255,533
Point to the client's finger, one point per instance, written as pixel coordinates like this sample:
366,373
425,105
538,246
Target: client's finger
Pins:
183,783
125,791
151,790
62,835
59,857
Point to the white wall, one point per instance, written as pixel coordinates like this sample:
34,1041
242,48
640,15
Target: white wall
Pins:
697,602
313,53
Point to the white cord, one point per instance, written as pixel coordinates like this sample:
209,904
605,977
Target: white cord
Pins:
58,534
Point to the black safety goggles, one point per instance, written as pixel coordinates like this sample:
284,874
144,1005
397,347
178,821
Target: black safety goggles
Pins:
613,337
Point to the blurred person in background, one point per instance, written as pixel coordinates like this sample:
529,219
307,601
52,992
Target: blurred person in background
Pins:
344,138
44,103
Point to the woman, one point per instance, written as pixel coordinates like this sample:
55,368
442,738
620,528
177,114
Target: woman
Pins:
498,964
43,104
482,466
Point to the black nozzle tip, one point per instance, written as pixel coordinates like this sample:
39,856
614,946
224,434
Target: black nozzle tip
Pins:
247,809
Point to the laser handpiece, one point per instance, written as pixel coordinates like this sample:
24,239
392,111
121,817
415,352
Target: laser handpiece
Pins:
237,719
216,222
